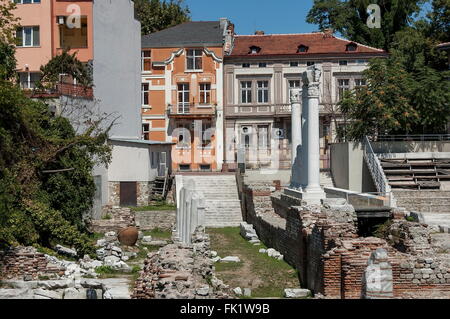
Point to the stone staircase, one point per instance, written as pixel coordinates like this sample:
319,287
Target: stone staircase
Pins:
222,204
433,205
326,179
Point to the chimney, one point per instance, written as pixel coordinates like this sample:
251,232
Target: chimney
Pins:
259,32
328,33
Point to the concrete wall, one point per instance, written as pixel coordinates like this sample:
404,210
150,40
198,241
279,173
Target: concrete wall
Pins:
349,168
131,163
411,147
117,42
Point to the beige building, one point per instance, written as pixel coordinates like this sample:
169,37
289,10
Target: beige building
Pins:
258,76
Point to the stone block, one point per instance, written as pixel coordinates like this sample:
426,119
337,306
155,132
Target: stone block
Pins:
73,294
237,291
247,292
51,294
233,259
296,293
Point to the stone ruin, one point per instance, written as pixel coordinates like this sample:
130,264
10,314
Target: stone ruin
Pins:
179,271
322,242
120,218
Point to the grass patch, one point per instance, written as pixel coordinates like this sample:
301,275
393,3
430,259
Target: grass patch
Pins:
266,276
158,234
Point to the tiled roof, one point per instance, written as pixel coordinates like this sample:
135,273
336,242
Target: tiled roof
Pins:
288,44
194,33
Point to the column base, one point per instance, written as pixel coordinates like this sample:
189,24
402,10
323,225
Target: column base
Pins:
310,197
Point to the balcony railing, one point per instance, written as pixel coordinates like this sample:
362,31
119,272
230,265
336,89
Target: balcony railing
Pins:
72,90
187,109
258,109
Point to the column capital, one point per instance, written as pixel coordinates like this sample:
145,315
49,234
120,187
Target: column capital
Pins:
296,96
313,90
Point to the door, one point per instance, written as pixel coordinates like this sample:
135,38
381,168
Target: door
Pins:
128,194
162,164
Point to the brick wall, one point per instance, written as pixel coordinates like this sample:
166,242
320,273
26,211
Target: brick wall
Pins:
120,217
25,263
322,243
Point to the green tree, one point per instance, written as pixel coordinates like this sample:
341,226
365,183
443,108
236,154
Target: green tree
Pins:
396,101
350,18
64,63
8,25
38,206
156,15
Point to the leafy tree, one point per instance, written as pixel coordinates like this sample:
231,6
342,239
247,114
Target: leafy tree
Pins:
156,15
350,18
440,20
64,63
38,206
396,101
8,22
8,25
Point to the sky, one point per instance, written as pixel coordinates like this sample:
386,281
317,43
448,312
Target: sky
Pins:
270,16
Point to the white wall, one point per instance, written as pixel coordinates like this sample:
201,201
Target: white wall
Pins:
117,65
131,163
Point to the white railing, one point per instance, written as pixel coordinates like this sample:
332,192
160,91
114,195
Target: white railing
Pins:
377,172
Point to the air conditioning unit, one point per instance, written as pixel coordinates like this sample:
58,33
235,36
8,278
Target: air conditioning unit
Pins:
61,20
279,133
246,130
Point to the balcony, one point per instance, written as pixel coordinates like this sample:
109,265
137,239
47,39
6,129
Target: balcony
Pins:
252,110
187,110
63,89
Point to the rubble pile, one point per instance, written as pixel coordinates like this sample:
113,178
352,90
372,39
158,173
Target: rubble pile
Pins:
179,271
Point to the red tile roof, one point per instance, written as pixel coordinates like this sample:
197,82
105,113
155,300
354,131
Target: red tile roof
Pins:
287,44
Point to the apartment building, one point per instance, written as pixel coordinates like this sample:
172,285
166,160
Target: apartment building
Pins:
182,91
259,74
47,27
106,35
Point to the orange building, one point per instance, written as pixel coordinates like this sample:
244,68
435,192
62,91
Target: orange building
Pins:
46,28
182,91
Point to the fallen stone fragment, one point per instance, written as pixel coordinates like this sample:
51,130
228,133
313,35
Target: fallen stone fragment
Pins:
247,292
232,259
237,291
65,251
297,293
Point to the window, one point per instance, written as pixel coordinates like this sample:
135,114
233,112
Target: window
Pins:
310,63
194,59
293,64
205,93
28,37
254,50
27,1
146,62
183,98
28,80
146,133
205,168
145,95
185,167
206,134
343,85
263,91
184,136
263,136
262,64
72,38
343,62
360,82
292,84
351,47
245,65
246,92
302,49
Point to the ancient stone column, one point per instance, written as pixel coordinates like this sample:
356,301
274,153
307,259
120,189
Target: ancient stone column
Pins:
311,144
296,120
305,183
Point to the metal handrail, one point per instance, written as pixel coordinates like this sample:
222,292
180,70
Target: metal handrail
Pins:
414,137
377,172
